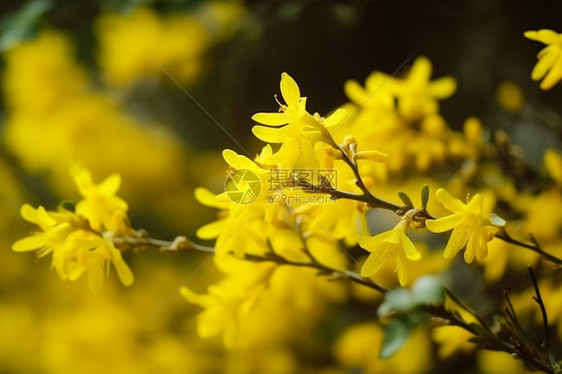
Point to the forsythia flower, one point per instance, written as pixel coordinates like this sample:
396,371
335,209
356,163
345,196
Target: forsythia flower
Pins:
294,126
100,203
77,240
391,245
550,58
472,226
128,42
417,96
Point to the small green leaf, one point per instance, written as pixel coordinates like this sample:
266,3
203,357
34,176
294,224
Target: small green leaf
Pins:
424,196
428,290
22,24
68,205
396,334
398,300
405,199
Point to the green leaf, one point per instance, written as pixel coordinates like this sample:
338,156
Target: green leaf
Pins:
424,196
405,199
20,25
68,205
398,300
396,334
428,290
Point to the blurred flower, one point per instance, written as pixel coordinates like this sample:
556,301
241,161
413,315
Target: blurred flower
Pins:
470,223
392,246
510,96
100,203
41,87
497,362
78,241
357,350
417,96
553,164
549,66
133,46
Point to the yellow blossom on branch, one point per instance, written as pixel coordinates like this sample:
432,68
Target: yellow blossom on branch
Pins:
100,203
294,127
393,246
470,223
82,241
417,96
549,66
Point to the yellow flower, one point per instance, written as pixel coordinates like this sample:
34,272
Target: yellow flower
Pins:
38,88
357,350
87,251
472,227
82,241
56,228
417,96
100,203
228,301
549,66
293,126
393,246
510,96
133,46
292,111
75,246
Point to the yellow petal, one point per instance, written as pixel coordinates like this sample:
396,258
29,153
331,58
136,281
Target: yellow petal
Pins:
206,197
472,245
410,249
123,271
30,243
28,213
193,298
475,205
43,218
402,270
544,65
444,224
368,243
553,164
442,88
268,134
544,36
553,76
237,161
377,258
451,203
355,92
290,90
82,177
271,119
421,70
111,184
211,230
457,240
336,118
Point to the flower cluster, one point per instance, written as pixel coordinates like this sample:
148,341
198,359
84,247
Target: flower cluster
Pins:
81,240
277,258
